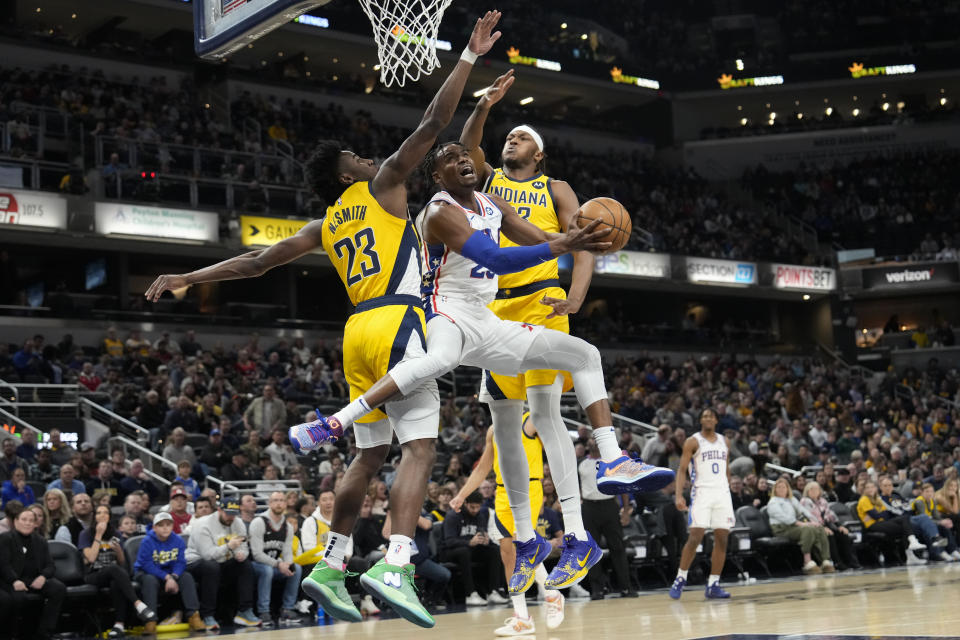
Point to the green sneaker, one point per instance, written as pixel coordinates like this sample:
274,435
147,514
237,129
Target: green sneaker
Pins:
394,585
325,585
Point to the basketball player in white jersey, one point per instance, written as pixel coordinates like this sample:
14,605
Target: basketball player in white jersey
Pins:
705,455
460,231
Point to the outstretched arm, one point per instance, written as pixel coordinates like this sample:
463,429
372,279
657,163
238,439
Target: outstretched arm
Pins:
482,469
248,265
568,208
472,134
388,184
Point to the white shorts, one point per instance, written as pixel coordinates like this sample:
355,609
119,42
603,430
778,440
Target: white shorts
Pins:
710,508
488,341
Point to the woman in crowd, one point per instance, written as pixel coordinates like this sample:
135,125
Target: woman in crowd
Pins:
789,519
57,511
763,493
16,488
41,516
948,502
379,498
550,494
104,561
875,517
841,546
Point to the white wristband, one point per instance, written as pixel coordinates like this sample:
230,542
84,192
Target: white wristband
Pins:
468,56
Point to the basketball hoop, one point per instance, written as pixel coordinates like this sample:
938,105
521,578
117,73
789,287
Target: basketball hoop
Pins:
406,36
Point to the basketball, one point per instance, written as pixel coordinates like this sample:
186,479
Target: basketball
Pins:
615,219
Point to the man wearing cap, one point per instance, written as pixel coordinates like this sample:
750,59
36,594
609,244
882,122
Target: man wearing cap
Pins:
162,563
238,468
218,555
215,454
88,453
844,485
179,499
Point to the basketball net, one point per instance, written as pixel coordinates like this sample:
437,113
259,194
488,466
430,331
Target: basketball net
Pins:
406,36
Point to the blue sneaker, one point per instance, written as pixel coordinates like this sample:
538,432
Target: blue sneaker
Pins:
313,435
713,591
576,559
626,475
677,589
529,556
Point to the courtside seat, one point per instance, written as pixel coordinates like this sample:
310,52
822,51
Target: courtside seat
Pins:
762,539
68,569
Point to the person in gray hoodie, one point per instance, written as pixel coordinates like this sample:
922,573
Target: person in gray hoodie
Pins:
217,555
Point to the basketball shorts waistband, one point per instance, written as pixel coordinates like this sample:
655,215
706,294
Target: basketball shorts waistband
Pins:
386,301
527,289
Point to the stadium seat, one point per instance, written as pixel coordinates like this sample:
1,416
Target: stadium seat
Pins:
130,549
762,538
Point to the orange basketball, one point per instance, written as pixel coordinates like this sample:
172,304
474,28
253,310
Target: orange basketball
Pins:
615,219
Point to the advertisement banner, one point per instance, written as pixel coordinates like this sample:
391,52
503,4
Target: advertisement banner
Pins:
792,276
258,230
720,271
923,274
33,209
157,222
634,263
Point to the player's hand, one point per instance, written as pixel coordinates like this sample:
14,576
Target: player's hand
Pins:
169,282
481,40
585,239
456,502
560,307
497,90
681,503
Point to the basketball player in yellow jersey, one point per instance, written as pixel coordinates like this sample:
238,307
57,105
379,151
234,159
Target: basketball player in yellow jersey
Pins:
520,623
533,296
371,241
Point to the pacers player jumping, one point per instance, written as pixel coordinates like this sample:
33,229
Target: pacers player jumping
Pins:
711,507
536,297
520,623
460,230
370,239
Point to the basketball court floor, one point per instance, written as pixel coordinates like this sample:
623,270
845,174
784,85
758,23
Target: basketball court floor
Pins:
896,603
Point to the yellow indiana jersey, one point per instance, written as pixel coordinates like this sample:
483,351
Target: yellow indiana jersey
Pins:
533,201
375,254
532,447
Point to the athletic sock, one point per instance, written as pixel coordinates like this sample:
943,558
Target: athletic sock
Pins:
545,415
540,577
399,552
353,412
140,607
336,550
682,573
712,580
118,625
520,606
606,438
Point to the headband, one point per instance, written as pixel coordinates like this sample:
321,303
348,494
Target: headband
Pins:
533,134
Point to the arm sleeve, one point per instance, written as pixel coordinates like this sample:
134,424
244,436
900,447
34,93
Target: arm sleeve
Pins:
485,252
7,575
257,529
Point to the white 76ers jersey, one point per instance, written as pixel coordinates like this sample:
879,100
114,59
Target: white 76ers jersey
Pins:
448,273
708,467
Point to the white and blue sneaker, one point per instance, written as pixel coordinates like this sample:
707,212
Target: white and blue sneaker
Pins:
713,591
630,475
310,436
677,589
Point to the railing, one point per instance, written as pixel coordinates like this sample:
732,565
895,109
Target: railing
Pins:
632,422
16,421
152,463
776,467
43,175
855,369
44,400
259,489
93,411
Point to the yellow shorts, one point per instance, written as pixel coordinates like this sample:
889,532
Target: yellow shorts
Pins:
375,340
504,515
528,309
